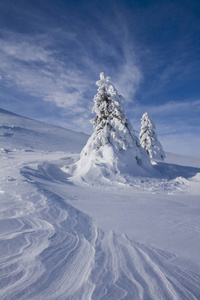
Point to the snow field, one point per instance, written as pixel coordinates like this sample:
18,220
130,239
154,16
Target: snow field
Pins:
54,251
114,238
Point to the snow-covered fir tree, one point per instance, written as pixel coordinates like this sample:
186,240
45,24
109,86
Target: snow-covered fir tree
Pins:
113,148
110,123
149,140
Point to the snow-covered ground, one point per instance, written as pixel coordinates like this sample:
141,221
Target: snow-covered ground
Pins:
63,238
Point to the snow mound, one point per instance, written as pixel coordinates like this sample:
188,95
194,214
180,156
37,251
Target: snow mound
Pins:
166,177
106,166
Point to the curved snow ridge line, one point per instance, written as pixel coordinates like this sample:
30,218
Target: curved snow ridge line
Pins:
21,246
50,264
12,207
69,257
127,270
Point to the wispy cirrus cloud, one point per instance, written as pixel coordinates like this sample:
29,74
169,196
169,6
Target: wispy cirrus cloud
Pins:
171,107
30,64
61,66
178,112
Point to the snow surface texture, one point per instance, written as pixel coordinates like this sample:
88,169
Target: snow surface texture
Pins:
149,140
113,148
65,240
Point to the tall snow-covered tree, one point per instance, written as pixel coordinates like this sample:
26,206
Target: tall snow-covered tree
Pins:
110,123
149,140
113,148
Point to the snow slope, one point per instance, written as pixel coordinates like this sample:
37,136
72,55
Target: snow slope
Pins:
66,239
18,132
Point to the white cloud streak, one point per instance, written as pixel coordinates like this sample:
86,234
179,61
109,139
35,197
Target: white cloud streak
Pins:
36,70
171,107
33,64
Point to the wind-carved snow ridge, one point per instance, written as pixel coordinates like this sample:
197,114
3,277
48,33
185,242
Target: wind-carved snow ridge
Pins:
54,250
128,270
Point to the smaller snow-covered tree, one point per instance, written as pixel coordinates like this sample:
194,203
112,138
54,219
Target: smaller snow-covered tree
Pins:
149,140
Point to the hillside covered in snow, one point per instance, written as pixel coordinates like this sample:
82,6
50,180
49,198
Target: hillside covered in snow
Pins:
64,238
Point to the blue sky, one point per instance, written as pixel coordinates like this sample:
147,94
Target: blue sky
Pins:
53,51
